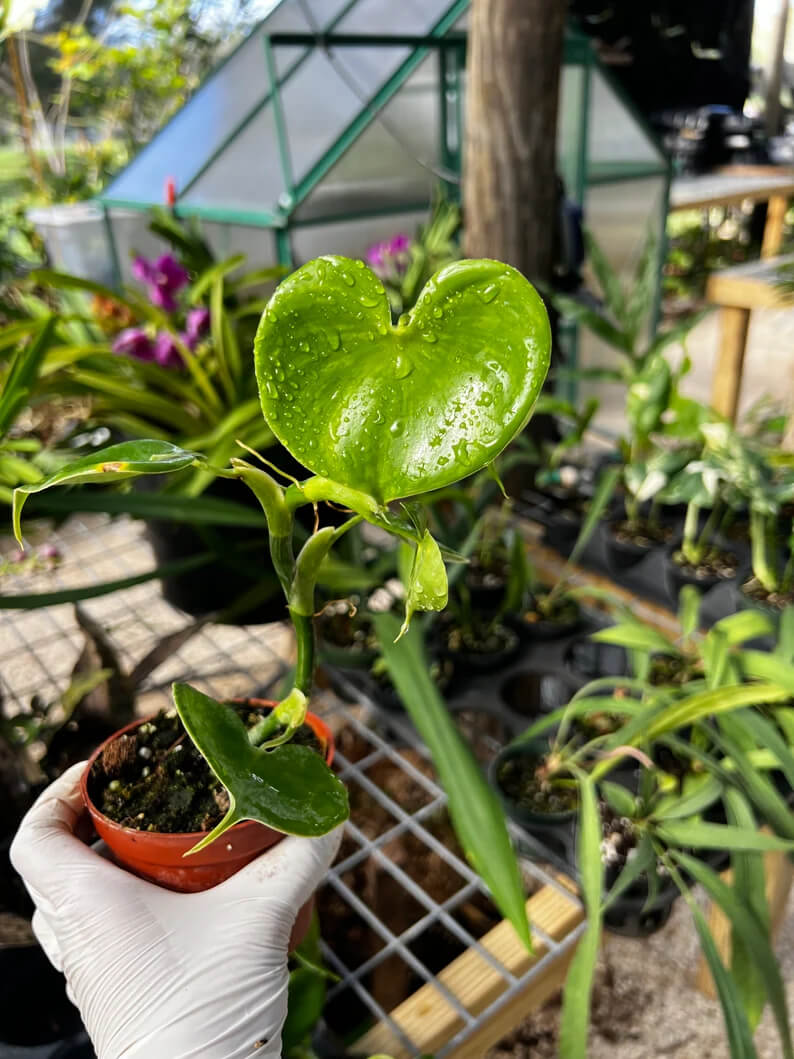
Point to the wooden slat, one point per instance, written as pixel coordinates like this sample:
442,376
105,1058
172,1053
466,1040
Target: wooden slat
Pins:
727,383
775,223
779,873
730,186
429,1020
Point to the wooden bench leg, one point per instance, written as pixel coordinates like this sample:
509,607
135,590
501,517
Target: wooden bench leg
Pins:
727,382
779,872
775,221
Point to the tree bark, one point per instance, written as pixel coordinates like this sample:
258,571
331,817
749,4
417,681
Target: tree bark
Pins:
512,92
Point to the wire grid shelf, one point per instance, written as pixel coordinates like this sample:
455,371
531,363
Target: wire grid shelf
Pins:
443,1007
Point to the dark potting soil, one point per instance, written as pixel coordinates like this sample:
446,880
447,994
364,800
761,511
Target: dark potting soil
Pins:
563,611
154,778
716,563
673,670
753,589
487,572
517,777
642,533
489,641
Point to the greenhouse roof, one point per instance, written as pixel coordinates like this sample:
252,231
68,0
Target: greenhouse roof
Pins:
279,112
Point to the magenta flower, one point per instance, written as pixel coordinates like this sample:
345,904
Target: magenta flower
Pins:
164,278
51,552
375,256
134,342
399,244
165,351
197,324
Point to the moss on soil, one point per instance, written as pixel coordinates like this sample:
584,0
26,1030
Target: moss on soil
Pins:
154,779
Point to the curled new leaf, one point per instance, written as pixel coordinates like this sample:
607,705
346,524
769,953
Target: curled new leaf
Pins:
426,585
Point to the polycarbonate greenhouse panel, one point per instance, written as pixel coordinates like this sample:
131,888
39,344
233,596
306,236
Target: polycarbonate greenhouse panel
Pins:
617,142
392,162
222,106
350,237
221,149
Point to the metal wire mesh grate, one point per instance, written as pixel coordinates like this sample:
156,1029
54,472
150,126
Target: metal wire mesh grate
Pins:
38,650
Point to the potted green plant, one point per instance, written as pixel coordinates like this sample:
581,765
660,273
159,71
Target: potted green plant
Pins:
667,829
163,360
378,413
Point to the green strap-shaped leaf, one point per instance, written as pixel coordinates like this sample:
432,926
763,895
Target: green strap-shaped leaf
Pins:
22,375
392,411
291,789
127,460
754,935
475,811
636,636
575,1017
698,834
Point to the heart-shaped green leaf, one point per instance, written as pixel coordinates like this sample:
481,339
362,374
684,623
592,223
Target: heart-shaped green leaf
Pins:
126,460
392,411
290,788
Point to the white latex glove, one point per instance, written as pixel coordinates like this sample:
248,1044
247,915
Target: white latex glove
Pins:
158,974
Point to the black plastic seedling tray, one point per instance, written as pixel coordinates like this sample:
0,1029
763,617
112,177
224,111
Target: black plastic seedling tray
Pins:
648,578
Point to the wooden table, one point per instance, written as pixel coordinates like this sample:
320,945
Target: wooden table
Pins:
732,185
737,291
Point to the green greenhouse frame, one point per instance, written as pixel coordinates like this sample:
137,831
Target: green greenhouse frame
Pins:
292,40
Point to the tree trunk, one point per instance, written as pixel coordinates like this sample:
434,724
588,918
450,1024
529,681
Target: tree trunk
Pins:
512,90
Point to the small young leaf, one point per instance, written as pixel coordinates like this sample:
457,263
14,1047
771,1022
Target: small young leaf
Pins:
290,789
427,582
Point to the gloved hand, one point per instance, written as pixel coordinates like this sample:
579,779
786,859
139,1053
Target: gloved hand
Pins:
158,974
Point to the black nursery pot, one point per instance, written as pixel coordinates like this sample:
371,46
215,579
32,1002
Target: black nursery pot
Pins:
555,832
634,915
467,661
587,660
531,693
623,554
678,576
35,1009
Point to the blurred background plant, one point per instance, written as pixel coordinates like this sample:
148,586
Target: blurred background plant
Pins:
405,263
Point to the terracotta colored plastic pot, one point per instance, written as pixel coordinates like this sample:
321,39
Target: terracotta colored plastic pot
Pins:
159,857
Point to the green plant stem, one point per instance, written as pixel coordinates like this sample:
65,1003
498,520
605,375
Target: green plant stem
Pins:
704,540
304,662
760,539
788,569
689,545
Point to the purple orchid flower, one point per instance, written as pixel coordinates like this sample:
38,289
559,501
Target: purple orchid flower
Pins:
375,256
197,324
399,244
134,342
164,278
166,352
